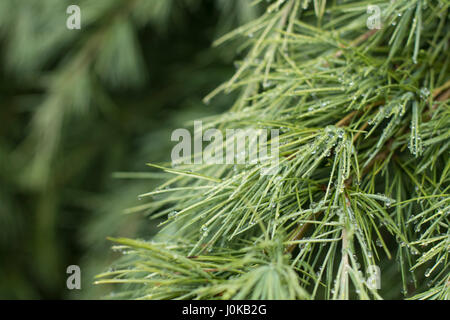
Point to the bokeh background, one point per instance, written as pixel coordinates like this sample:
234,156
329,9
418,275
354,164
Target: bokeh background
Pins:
82,111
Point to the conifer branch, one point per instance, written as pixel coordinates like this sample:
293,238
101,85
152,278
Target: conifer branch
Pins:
348,103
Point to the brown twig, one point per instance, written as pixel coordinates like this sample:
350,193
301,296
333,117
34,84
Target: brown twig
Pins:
438,91
438,96
298,233
363,127
346,119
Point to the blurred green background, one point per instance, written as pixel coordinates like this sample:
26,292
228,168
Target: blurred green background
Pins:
78,106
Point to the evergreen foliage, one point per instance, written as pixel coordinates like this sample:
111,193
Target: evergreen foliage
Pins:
78,105
364,166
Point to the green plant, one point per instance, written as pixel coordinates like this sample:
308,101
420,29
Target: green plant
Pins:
78,105
363,176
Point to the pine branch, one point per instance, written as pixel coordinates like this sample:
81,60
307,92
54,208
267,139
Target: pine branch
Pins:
341,192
